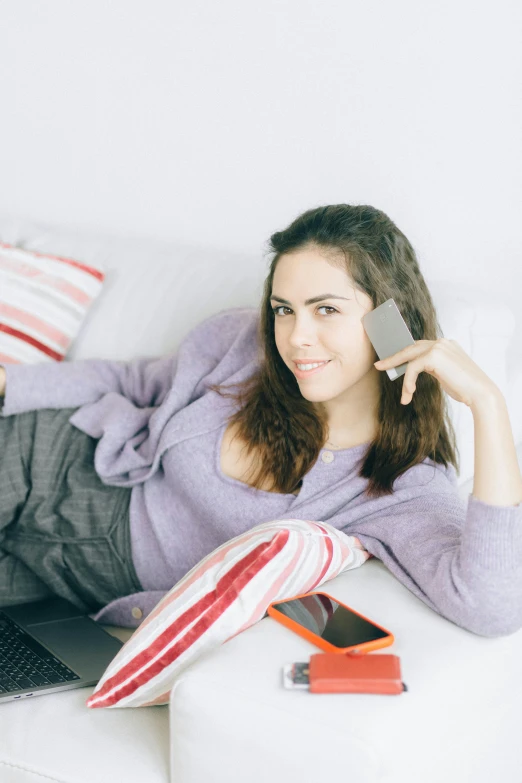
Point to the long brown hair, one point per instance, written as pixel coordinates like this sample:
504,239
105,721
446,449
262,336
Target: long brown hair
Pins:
283,429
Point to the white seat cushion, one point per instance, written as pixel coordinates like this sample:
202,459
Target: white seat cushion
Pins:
58,737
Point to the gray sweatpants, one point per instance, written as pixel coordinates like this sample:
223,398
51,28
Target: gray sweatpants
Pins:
62,530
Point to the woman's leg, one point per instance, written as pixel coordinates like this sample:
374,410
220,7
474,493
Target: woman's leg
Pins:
17,582
57,518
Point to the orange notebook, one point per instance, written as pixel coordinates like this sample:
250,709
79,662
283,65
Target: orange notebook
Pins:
370,673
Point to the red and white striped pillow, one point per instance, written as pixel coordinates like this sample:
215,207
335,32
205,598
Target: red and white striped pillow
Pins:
43,302
225,593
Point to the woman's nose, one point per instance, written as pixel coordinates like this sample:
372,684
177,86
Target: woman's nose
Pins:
303,332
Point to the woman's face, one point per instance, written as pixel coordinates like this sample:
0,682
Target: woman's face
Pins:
329,330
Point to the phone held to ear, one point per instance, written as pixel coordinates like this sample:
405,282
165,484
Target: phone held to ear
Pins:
345,635
388,333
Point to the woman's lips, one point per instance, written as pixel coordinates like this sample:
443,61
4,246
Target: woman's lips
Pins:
301,374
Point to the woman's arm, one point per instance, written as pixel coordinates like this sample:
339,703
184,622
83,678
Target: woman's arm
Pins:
463,560
144,381
497,478
497,475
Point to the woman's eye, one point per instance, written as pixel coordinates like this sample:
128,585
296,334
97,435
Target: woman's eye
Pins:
275,310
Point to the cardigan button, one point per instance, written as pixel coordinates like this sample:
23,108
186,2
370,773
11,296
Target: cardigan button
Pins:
327,456
136,612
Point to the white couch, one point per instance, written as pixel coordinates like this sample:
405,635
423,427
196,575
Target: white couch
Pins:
229,718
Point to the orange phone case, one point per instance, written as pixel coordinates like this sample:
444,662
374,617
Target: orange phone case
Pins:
355,649
355,674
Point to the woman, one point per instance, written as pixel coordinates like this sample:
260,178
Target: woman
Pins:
164,463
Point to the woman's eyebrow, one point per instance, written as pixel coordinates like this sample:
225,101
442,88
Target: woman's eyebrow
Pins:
311,301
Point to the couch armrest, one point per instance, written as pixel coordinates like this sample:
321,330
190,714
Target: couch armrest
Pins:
231,717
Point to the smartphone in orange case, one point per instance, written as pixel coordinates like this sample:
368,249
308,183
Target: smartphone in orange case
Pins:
332,673
329,624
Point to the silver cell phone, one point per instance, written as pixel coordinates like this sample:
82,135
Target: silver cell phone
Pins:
388,333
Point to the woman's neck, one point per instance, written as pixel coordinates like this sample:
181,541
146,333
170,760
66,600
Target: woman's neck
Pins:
347,439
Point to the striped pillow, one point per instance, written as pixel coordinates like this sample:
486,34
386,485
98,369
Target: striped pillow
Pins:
43,302
225,593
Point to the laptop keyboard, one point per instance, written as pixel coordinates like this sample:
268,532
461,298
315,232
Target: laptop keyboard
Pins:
24,662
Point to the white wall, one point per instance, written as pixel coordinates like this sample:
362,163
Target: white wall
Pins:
221,121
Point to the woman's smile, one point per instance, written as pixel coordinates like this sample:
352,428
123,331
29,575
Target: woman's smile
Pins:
302,374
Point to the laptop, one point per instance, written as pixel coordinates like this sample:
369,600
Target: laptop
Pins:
50,645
